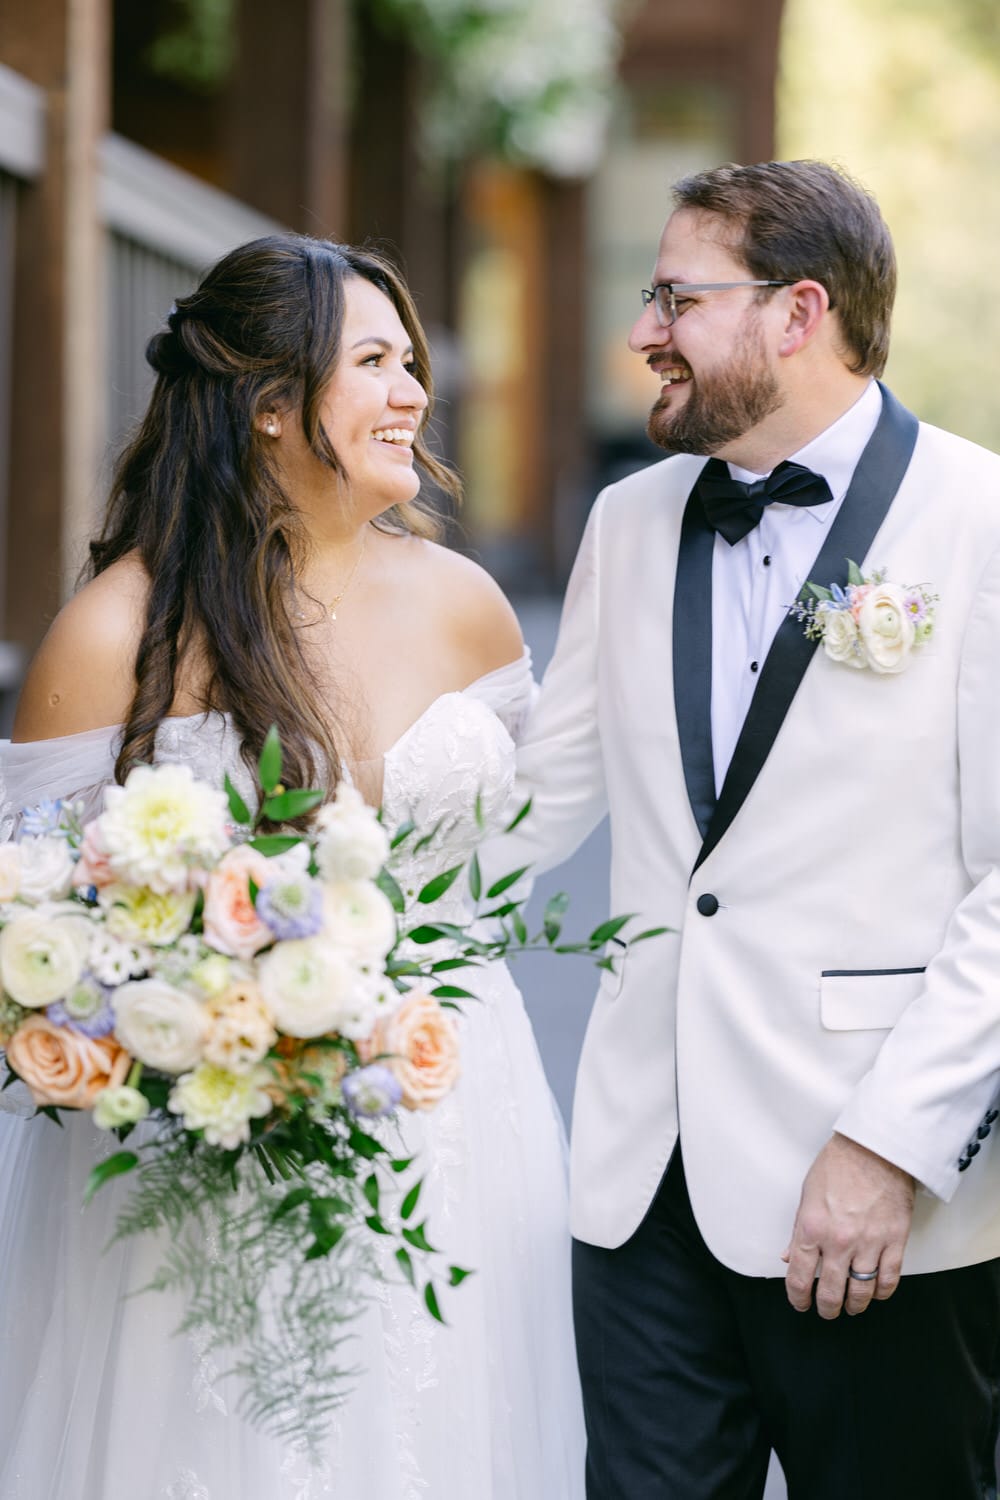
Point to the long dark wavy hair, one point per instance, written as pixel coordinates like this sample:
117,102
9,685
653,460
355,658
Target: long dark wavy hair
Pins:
196,493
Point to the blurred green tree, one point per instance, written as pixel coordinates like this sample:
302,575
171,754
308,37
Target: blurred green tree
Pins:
905,94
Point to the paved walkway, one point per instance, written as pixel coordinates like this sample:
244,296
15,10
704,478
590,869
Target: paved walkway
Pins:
559,992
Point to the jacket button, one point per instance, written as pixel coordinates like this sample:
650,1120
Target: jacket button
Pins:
964,1162
989,1117
982,1132
707,904
973,1148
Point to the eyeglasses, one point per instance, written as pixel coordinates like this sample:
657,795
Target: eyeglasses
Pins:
671,301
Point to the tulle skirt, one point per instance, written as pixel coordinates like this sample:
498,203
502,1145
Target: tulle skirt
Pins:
100,1399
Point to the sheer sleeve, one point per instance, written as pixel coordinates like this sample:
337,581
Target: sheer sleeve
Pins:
510,692
74,767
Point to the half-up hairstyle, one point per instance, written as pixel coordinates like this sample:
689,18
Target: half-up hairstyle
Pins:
196,493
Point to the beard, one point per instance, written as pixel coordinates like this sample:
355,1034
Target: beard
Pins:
722,406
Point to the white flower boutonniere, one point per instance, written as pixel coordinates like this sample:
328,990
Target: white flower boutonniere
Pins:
870,623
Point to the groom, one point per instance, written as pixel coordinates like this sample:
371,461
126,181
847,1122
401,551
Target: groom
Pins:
786,1186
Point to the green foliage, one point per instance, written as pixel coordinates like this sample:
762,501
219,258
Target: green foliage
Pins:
906,95
198,51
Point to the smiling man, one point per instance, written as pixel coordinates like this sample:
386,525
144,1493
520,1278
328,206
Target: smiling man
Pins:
785,1179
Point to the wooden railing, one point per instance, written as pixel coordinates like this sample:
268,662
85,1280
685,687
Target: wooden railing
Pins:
22,157
164,228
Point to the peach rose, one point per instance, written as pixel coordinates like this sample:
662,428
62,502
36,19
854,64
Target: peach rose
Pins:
63,1067
232,925
420,1043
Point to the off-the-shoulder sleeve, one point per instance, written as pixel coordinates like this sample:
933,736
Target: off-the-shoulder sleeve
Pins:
74,767
510,692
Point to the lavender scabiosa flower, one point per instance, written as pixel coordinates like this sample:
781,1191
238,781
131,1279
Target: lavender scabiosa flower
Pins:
916,606
87,1009
292,906
371,1092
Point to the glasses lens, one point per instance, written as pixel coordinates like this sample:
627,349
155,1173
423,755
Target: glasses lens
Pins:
666,309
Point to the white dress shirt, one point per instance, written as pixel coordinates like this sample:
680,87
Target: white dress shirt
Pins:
755,582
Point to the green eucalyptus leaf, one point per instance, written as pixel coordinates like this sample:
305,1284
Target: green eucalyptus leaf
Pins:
113,1166
504,884
436,888
456,1275
274,843
391,888
475,878
453,992
402,834
519,816
430,1298
290,1201
817,591
607,930
418,1239
409,1203
238,810
855,577
405,1260
269,764
376,1225
284,806
371,1190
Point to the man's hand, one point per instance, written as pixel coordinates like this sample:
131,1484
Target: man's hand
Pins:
855,1210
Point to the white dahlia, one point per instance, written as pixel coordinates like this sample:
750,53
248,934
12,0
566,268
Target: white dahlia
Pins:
162,825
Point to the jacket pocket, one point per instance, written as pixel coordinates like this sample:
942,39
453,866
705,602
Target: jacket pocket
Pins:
866,999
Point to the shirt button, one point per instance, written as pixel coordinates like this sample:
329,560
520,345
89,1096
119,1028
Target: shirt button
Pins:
767,561
707,904
754,666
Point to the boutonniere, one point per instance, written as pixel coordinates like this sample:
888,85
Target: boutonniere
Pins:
870,623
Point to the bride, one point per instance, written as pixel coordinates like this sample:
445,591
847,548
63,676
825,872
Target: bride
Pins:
265,560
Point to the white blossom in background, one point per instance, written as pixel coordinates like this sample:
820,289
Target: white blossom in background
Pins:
529,79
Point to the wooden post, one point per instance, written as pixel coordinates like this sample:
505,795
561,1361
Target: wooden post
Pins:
57,418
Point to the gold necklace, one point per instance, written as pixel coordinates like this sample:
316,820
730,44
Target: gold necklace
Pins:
331,608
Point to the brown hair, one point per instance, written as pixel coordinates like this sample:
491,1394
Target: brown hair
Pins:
197,496
806,220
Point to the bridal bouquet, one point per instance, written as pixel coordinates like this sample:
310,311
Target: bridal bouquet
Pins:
246,1011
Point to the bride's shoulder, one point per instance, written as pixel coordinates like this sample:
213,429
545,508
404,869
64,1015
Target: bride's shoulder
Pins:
83,675
472,609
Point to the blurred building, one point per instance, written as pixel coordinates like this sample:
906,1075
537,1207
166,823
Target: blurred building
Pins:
140,141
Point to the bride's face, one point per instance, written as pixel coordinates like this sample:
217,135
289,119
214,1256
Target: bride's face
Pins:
374,404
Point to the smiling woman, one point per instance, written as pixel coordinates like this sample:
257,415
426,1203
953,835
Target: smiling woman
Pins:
267,559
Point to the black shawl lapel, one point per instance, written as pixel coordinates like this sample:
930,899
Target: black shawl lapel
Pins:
876,479
692,635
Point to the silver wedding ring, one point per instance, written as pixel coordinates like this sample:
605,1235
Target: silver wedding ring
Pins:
863,1275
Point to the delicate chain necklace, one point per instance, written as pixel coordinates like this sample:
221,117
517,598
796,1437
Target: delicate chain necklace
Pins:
331,608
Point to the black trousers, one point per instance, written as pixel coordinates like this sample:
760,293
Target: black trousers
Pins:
692,1374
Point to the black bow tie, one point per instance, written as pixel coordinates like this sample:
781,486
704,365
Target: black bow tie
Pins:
733,509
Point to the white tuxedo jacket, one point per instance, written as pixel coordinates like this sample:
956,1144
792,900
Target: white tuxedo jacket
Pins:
849,978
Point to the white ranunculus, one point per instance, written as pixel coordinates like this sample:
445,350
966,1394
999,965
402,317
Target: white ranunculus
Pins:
841,641
42,955
162,825
10,871
119,1106
886,628
47,867
308,986
359,919
163,1027
351,843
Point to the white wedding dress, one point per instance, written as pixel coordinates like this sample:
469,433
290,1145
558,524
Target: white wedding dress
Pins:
101,1400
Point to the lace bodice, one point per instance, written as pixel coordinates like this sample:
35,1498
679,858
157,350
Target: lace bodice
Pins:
460,749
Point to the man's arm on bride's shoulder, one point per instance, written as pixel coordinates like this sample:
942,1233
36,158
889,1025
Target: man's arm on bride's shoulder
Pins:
559,761
82,676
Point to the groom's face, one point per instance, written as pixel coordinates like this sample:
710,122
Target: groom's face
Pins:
718,374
